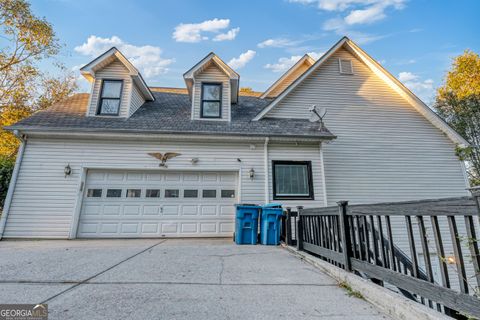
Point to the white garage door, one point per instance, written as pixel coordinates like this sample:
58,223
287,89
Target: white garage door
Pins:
158,204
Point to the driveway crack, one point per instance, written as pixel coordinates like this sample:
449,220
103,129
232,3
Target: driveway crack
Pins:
222,268
101,272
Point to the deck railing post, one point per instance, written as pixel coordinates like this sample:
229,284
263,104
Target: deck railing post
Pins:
288,227
299,231
476,197
345,234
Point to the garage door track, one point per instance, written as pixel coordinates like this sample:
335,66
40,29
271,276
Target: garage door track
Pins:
170,279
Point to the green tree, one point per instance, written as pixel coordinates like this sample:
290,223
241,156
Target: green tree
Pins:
458,102
27,40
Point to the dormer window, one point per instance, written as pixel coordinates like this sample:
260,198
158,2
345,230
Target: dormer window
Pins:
211,100
109,104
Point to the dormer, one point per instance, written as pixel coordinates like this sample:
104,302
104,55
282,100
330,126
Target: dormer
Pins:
213,87
118,89
289,77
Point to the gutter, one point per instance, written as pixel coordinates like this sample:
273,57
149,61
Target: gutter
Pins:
13,181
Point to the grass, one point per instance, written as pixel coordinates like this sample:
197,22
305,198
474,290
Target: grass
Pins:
350,291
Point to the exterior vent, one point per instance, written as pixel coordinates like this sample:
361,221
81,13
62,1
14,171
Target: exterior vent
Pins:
346,66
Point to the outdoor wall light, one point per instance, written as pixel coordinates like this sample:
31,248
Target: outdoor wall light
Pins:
251,174
67,170
194,160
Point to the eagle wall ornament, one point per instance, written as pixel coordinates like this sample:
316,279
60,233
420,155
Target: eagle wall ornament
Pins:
164,157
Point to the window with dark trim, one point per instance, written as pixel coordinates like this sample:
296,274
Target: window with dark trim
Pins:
114,193
292,180
211,104
110,94
134,193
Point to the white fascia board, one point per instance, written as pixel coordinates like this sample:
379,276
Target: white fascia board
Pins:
164,136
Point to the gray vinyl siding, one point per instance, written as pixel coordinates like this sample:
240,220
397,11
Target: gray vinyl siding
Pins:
114,70
300,152
136,101
385,150
212,74
44,199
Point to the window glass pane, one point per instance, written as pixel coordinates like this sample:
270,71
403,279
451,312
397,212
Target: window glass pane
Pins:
133,193
211,91
228,193
211,109
209,193
152,193
114,193
94,193
110,106
291,180
190,193
112,89
172,193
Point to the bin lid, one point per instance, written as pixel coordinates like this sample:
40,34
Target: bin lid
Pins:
272,205
249,205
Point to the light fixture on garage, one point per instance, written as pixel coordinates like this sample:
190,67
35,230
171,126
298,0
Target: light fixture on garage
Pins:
251,173
67,170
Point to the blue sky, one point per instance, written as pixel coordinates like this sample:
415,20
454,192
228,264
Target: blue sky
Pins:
415,40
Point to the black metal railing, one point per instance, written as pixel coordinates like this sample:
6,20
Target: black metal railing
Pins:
427,249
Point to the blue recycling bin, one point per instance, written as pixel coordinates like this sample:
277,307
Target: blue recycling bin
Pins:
270,224
246,223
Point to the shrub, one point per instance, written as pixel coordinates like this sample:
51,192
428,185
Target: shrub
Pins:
6,170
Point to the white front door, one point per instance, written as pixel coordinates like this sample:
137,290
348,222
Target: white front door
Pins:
123,204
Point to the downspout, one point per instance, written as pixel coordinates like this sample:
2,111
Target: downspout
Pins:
265,157
324,183
13,182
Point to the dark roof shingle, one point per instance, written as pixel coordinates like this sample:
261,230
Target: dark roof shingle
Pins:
169,113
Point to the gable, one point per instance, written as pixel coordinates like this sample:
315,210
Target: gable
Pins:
114,70
289,77
211,74
300,95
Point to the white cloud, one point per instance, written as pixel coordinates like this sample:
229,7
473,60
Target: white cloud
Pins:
146,58
422,88
242,60
285,63
407,76
365,16
229,35
353,12
276,43
193,32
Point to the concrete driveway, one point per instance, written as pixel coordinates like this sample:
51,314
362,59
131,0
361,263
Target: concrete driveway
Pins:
170,279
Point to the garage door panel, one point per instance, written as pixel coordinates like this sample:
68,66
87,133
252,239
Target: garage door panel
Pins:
197,214
150,228
189,210
149,210
207,210
131,210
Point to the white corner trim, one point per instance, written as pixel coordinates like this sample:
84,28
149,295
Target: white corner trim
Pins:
465,175
78,203
265,164
11,186
324,183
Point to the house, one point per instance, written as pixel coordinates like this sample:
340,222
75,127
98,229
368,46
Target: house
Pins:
129,160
